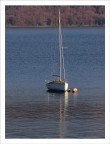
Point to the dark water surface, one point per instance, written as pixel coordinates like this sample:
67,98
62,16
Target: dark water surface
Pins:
31,111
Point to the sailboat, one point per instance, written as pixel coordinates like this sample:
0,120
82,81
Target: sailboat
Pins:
60,84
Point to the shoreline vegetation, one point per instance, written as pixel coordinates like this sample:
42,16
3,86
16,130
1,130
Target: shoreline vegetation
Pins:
54,26
47,16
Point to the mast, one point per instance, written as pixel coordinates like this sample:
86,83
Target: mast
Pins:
60,45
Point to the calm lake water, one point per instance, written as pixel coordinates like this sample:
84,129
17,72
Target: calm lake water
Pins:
31,58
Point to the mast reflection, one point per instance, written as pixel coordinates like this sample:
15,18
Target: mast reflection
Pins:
62,100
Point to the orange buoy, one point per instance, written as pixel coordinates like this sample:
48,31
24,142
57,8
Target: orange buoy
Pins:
75,90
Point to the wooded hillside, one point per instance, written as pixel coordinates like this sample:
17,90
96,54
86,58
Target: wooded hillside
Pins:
35,16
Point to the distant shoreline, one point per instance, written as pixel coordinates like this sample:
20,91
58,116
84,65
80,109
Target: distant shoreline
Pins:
53,26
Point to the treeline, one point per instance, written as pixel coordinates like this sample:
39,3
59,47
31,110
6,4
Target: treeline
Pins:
37,16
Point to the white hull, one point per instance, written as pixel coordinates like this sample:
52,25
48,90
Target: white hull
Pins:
57,86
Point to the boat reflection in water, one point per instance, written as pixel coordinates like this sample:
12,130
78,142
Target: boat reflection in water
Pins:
64,101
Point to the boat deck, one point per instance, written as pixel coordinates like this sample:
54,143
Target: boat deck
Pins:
57,82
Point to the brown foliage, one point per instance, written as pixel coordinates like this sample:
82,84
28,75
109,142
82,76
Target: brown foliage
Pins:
24,16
